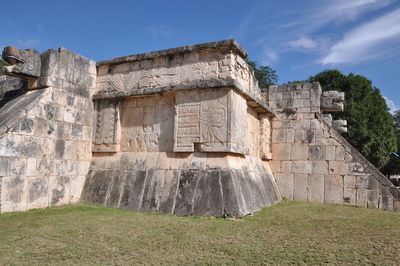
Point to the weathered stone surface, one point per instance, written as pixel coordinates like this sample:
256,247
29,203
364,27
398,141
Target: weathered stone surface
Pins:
184,131
332,101
184,191
22,62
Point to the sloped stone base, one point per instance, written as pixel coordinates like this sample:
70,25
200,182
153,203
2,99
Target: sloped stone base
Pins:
200,192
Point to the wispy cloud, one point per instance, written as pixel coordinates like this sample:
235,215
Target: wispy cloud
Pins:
363,42
391,105
299,28
269,56
302,43
340,11
27,43
159,31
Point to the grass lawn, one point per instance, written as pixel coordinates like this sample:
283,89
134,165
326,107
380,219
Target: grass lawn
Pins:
286,233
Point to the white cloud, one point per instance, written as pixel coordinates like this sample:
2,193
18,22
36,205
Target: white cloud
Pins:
391,105
159,31
303,43
269,56
363,42
340,11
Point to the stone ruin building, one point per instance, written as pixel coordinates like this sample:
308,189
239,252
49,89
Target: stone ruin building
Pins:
185,131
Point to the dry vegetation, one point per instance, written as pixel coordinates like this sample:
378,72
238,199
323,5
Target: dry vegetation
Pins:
287,233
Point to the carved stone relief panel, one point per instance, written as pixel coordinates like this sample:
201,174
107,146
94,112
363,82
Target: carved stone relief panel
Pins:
147,123
238,122
203,121
107,126
214,114
187,126
265,138
253,132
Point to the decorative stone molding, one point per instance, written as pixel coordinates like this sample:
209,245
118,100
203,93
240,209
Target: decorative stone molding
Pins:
340,125
332,101
107,127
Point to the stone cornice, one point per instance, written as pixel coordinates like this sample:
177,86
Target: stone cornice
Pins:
254,101
178,50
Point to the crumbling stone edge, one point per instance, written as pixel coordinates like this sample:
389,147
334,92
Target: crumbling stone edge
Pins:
383,181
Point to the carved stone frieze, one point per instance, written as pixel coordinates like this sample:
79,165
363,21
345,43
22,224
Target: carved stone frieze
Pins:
332,101
205,120
265,138
23,63
107,126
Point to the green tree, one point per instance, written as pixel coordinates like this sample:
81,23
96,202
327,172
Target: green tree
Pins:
393,166
264,74
370,125
2,63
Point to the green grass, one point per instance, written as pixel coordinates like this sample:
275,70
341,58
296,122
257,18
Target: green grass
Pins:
286,233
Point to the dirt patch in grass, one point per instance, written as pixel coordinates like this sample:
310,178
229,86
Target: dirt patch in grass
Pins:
286,233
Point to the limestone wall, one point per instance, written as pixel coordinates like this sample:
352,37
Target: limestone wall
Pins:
171,153
45,141
312,162
178,131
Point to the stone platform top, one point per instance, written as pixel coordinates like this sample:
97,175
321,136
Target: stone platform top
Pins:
174,51
209,65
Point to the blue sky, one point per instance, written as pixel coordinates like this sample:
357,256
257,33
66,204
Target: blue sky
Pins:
297,38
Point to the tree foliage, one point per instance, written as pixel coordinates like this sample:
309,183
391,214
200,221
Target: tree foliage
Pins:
370,125
393,166
2,63
265,75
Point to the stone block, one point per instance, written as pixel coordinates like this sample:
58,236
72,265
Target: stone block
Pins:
333,189
302,167
167,195
4,166
340,154
386,199
338,167
362,182
289,135
286,167
233,204
396,205
38,192
285,184
59,190
316,153
320,167
44,167
187,183
14,194
199,161
207,199
330,153
278,136
350,181
350,196
133,190
362,197
373,198
276,166
316,189
26,126
357,168
17,166
300,187
373,183
299,151
281,151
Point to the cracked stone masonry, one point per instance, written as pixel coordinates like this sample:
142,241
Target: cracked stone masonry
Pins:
184,131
